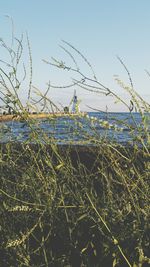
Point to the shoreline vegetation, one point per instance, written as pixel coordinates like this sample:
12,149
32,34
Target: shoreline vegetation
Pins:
69,205
80,204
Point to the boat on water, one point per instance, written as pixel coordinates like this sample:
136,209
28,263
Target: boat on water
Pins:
73,110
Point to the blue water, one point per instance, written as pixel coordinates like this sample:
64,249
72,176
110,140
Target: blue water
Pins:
120,127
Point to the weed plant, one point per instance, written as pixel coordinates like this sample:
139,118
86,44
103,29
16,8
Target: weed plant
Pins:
72,205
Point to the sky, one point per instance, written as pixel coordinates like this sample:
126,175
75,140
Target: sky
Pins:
100,29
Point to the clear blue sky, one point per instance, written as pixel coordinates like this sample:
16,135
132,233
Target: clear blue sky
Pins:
101,29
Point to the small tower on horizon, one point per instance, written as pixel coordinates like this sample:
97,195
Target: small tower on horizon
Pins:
75,103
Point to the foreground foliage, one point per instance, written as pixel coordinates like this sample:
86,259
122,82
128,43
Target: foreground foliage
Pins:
73,205
89,207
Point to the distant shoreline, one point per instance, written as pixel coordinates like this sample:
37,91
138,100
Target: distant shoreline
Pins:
11,117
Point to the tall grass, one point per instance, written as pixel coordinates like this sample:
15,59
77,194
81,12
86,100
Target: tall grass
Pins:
73,205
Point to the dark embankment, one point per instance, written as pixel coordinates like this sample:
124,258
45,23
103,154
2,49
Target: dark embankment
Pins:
73,205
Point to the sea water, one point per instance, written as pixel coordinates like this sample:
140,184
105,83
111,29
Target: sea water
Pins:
118,127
